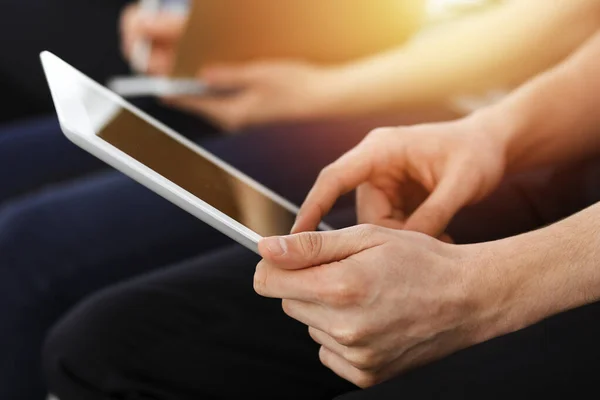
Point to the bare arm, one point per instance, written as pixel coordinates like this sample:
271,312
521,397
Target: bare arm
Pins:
502,46
553,119
541,273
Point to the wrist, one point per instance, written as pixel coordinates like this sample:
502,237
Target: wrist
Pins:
500,127
498,281
524,279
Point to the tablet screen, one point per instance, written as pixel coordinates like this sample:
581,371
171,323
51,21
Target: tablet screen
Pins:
185,167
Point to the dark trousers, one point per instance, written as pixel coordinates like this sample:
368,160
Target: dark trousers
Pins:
198,331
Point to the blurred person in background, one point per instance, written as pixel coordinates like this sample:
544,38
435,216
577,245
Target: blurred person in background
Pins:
510,312
122,218
498,47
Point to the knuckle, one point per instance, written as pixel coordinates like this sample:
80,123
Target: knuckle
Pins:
324,356
363,359
311,243
330,175
436,211
288,307
366,231
313,334
380,133
342,293
346,336
327,172
346,292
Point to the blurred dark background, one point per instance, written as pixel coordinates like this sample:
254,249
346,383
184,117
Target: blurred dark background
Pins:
83,32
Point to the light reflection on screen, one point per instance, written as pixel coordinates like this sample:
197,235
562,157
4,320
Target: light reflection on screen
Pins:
184,167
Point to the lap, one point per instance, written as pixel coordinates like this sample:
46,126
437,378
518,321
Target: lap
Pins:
199,331
193,331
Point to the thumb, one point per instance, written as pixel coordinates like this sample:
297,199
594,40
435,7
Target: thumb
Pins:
433,216
310,249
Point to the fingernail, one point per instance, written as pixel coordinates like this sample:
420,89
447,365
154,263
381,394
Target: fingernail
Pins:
276,246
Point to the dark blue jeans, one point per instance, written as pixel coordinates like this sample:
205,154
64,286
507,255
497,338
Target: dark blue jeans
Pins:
70,226
34,154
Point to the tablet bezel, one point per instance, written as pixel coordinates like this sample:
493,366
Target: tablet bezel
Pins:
76,126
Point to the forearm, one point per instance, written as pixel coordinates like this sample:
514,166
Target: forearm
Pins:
542,273
553,119
500,47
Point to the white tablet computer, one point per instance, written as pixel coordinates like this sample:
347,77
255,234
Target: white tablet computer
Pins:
110,128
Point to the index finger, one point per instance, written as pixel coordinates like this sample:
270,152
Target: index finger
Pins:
337,179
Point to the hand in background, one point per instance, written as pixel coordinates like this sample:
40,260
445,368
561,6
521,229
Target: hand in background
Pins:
163,30
261,93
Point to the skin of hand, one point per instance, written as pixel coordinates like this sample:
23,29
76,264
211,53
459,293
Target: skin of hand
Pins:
381,301
163,30
262,92
414,178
